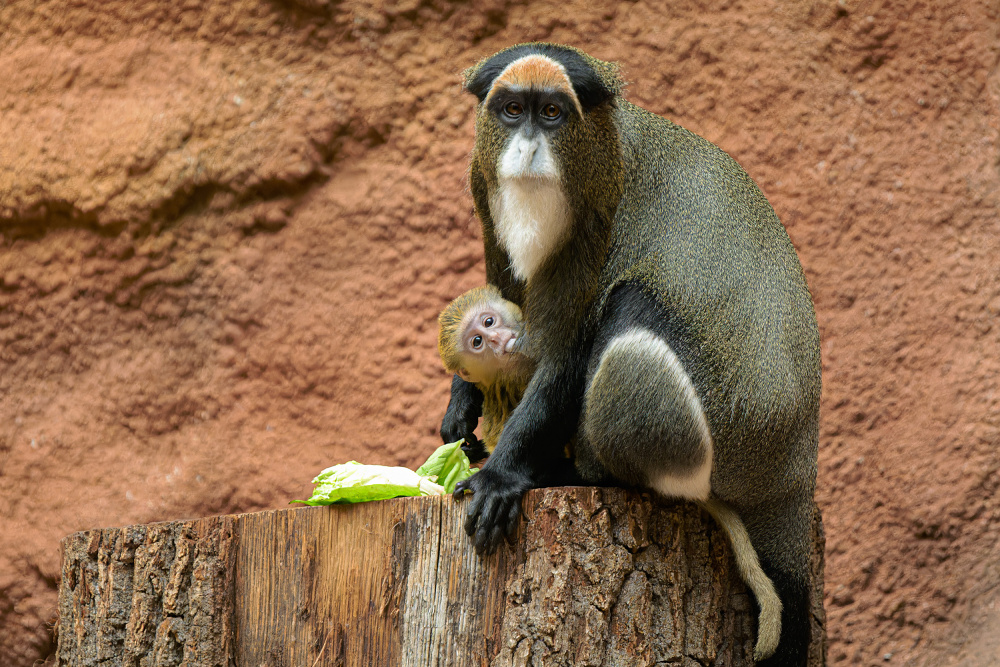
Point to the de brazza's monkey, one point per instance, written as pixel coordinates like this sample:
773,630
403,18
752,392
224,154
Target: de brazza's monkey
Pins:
665,307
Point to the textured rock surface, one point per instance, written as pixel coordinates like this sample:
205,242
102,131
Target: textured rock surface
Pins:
226,229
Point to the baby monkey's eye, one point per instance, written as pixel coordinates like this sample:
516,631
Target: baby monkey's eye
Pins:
551,111
488,322
477,342
513,109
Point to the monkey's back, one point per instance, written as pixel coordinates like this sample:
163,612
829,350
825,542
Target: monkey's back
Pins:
714,255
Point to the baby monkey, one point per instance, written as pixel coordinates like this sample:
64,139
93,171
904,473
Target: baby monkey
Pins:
480,339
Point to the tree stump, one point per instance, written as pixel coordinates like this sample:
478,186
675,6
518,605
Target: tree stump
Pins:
596,576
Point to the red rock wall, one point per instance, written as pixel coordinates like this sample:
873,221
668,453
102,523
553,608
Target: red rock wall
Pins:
226,229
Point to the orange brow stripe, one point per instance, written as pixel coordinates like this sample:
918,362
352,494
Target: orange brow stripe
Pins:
536,72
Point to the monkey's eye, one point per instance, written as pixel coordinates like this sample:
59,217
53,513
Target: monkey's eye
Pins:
513,109
477,342
488,322
551,111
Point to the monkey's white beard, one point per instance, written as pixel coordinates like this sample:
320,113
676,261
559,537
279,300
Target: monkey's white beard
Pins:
532,219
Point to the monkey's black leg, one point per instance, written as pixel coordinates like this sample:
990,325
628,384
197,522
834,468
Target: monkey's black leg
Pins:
796,628
643,421
781,532
564,473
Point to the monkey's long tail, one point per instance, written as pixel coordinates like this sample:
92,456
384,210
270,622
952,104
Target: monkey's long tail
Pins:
769,622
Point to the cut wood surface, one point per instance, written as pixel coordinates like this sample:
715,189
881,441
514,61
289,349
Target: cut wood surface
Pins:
595,576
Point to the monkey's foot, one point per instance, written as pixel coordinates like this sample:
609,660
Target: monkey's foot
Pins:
474,449
494,508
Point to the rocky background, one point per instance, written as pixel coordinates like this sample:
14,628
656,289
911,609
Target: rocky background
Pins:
227,227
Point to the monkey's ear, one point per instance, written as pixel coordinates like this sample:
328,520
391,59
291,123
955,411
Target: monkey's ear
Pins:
464,374
479,78
593,85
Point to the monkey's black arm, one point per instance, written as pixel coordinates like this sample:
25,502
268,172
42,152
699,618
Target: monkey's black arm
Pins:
462,416
529,453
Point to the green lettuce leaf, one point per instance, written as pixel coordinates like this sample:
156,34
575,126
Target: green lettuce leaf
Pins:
353,482
447,466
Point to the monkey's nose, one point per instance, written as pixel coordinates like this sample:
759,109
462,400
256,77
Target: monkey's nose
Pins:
499,343
528,148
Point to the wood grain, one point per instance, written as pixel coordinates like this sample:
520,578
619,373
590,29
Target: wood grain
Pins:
595,577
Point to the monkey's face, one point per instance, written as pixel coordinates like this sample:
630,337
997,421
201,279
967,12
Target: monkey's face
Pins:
544,123
488,343
524,108
531,119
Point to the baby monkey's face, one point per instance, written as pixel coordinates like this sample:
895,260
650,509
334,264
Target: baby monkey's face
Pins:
489,341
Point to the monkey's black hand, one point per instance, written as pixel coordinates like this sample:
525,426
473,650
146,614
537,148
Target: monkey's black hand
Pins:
464,409
474,449
494,508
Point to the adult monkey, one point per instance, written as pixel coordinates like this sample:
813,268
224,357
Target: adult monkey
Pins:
665,307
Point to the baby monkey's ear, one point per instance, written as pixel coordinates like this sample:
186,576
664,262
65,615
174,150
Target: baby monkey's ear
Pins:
465,375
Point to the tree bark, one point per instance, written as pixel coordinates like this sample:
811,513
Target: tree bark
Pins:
595,576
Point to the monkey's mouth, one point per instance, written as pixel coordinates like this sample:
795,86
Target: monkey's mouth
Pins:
509,347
